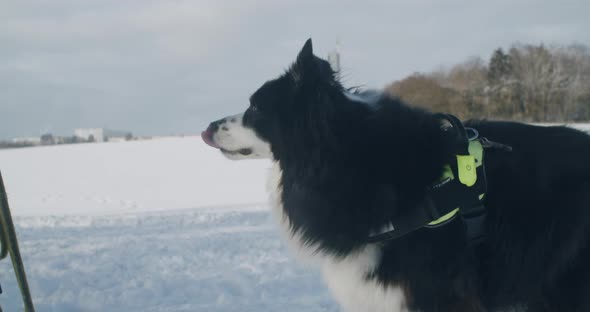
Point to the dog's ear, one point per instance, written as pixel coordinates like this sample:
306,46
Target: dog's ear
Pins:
305,67
306,53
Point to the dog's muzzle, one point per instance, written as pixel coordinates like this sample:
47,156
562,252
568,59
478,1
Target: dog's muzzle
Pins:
234,140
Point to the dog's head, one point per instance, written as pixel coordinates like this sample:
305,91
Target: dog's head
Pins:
286,115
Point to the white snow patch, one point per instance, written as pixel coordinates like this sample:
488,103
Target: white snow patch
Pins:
160,225
94,179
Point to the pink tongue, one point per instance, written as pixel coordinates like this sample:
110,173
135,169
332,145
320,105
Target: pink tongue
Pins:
207,136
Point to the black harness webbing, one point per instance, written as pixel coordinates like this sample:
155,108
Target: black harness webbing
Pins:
460,192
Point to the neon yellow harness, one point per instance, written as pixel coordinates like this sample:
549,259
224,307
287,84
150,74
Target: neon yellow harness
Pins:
467,167
459,192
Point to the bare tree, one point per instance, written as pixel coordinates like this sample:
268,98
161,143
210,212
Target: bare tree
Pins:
542,80
530,83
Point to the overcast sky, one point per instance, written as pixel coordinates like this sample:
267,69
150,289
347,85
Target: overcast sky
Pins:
164,67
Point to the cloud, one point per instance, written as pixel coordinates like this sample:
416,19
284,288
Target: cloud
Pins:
549,33
171,66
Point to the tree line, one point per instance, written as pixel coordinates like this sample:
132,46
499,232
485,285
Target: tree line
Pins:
533,83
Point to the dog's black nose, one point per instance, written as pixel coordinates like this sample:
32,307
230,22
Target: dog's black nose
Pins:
214,126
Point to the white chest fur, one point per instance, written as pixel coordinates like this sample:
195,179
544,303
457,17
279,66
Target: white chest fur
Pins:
346,277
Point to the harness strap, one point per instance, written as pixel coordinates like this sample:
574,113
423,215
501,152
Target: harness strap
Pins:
445,200
404,225
460,192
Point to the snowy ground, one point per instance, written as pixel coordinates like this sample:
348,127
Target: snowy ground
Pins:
161,225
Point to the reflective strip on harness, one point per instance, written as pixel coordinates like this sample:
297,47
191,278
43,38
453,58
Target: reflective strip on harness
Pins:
469,178
444,218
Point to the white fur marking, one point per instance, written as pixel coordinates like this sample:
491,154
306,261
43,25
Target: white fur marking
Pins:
346,277
347,281
233,136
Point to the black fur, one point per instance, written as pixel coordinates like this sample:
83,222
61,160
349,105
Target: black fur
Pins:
349,168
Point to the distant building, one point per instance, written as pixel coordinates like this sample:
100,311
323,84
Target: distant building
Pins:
90,134
27,140
117,135
102,135
47,139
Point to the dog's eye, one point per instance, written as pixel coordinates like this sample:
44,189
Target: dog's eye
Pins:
254,108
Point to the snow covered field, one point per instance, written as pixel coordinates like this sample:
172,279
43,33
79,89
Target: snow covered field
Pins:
160,225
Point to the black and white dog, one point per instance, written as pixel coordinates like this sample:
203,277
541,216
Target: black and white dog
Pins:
346,165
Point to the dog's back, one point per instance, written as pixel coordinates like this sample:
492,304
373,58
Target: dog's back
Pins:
538,225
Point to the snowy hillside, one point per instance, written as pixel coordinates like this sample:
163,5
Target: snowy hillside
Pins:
163,174
161,225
